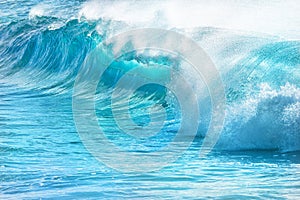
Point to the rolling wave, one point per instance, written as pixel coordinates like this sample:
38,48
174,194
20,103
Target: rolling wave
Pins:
261,74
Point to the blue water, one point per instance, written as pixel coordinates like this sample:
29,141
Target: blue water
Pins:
42,48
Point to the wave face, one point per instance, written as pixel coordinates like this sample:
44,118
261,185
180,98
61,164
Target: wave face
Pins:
42,51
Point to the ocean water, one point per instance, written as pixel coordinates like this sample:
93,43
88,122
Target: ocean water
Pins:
45,45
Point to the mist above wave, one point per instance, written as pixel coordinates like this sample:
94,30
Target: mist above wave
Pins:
279,18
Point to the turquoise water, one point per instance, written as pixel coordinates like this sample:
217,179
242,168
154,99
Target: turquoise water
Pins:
42,47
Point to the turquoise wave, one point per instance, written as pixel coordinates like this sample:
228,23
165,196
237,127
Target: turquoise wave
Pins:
261,74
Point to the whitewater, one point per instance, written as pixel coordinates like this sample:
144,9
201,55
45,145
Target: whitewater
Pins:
45,46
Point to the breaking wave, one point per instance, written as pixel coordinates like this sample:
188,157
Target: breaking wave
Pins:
42,53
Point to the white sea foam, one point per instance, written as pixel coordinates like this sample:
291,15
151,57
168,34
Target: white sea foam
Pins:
268,120
38,10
